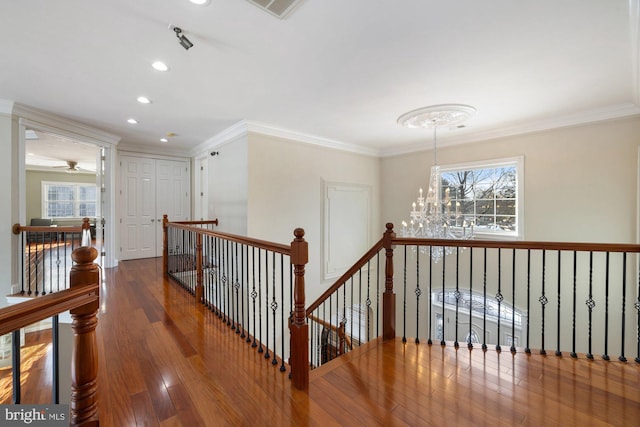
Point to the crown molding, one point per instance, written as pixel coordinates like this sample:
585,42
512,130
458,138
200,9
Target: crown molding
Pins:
591,116
256,127
61,125
236,130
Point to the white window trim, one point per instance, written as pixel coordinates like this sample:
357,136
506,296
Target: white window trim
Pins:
75,184
518,161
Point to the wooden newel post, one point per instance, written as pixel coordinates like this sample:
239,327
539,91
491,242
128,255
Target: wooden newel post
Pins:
165,245
298,327
84,358
388,297
199,275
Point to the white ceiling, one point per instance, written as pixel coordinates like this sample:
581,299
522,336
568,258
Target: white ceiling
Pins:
342,70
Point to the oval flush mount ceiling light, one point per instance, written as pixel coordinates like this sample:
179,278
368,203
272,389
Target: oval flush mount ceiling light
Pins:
164,140
132,121
144,100
159,66
200,2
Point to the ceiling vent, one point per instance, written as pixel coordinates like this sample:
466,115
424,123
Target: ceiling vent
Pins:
279,8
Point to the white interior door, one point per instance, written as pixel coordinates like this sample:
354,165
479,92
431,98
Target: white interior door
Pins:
138,221
200,192
172,195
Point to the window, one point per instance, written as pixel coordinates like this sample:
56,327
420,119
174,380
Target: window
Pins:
485,194
68,200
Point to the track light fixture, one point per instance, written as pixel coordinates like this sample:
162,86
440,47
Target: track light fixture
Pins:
182,39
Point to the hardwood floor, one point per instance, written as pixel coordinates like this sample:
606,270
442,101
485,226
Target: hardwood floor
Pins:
167,361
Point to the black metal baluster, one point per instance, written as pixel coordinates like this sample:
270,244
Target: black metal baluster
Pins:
456,344
558,352
499,298
232,284
266,302
330,332
260,349
404,297
229,288
469,340
15,365
590,302
244,286
484,303
55,360
605,356
418,293
58,262
352,305
344,310
429,340
637,307
237,287
274,307
282,317
444,271
378,302
543,298
368,301
254,294
37,264
527,349
513,301
622,357
573,316
359,310
29,263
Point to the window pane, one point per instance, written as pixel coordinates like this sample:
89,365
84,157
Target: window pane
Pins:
87,209
506,223
60,209
87,193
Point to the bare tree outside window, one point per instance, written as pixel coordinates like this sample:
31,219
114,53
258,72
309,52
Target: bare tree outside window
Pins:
484,197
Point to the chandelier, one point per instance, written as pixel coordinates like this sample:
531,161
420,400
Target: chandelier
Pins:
433,216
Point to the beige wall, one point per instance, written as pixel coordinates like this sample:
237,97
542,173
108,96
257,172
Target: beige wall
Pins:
34,189
580,183
227,187
286,191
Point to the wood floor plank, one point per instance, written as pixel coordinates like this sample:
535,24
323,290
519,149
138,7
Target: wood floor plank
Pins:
166,360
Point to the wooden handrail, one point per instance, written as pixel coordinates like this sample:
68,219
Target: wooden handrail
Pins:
262,244
17,228
333,327
24,314
350,272
520,244
204,222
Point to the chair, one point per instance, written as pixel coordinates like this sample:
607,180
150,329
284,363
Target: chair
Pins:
39,237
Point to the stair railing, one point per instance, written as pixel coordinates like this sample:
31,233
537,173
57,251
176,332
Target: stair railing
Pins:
46,256
81,298
254,286
579,299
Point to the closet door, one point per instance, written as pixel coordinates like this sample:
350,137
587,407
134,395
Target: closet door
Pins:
138,220
172,194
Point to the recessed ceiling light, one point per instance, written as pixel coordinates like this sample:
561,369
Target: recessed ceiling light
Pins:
160,66
144,100
132,121
200,2
164,140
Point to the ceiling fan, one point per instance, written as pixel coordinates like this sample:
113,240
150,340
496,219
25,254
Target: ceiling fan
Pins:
72,167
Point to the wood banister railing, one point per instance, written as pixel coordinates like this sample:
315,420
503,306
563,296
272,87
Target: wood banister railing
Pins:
82,299
350,272
239,279
518,294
